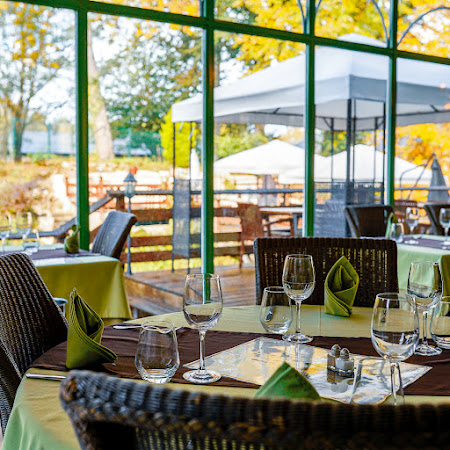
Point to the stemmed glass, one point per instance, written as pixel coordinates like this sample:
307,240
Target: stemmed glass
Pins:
444,220
24,223
412,220
202,307
394,332
298,282
425,290
5,228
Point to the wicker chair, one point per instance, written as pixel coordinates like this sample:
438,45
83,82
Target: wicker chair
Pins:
375,260
109,412
433,210
367,220
112,234
9,382
30,321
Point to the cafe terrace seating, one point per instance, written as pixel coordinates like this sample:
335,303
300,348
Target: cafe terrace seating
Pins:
30,323
367,220
109,412
433,210
113,233
375,260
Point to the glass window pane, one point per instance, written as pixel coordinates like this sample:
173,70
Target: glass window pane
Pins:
350,139
287,15
138,70
422,30
188,7
37,114
365,22
423,137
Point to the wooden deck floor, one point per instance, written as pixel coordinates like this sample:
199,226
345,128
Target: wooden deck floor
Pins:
160,292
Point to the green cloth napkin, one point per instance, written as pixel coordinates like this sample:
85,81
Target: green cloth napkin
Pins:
84,336
391,219
72,242
287,382
341,285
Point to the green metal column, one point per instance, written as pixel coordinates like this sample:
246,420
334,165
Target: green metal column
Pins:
207,207
82,127
392,106
309,124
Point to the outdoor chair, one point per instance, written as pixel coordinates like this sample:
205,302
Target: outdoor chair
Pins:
109,412
433,210
253,226
30,321
375,261
367,220
113,233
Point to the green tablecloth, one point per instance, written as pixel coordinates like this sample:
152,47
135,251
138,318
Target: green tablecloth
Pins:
408,253
38,421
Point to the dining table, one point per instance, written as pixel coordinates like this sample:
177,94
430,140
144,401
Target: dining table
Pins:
38,421
296,212
98,279
423,247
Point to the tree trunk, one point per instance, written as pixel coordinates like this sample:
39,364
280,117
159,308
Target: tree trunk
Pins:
4,129
102,128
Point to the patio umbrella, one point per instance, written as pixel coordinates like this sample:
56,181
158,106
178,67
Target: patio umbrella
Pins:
437,180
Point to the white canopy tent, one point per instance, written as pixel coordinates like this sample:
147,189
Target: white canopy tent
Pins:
368,167
275,95
273,158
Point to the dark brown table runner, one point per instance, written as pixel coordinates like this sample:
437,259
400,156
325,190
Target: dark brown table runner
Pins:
124,342
53,253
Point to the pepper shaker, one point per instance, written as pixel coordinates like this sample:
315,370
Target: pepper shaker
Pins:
333,354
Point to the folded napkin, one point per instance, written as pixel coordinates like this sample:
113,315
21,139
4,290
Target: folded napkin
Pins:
84,336
391,219
72,242
287,382
341,285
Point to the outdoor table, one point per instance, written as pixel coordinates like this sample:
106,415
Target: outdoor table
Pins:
98,279
295,211
427,249
38,421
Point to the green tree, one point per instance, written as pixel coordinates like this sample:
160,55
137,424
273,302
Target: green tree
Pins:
34,48
185,135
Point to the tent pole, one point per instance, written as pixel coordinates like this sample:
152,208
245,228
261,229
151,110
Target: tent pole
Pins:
383,188
347,148
190,151
353,140
173,152
332,148
375,131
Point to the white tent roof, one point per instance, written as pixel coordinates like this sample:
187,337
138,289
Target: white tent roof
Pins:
273,158
275,95
365,161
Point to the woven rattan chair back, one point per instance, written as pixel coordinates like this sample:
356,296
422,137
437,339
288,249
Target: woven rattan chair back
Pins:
367,220
375,260
433,210
9,382
113,233
109,412
30,321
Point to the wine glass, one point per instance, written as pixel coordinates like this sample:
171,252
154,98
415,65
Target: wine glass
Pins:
396,233
444,220
394,332
202,307
5,228
276,312
298,282
24,223
412,220
425,290
440,323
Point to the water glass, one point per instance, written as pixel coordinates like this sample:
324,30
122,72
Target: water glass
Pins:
440,323
24,222
425,290
395,332
61,303
397,232
30,242
444,220
157,357
5,228
276,312
412,220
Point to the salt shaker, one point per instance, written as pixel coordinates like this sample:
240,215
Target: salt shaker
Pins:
345,364
333,354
